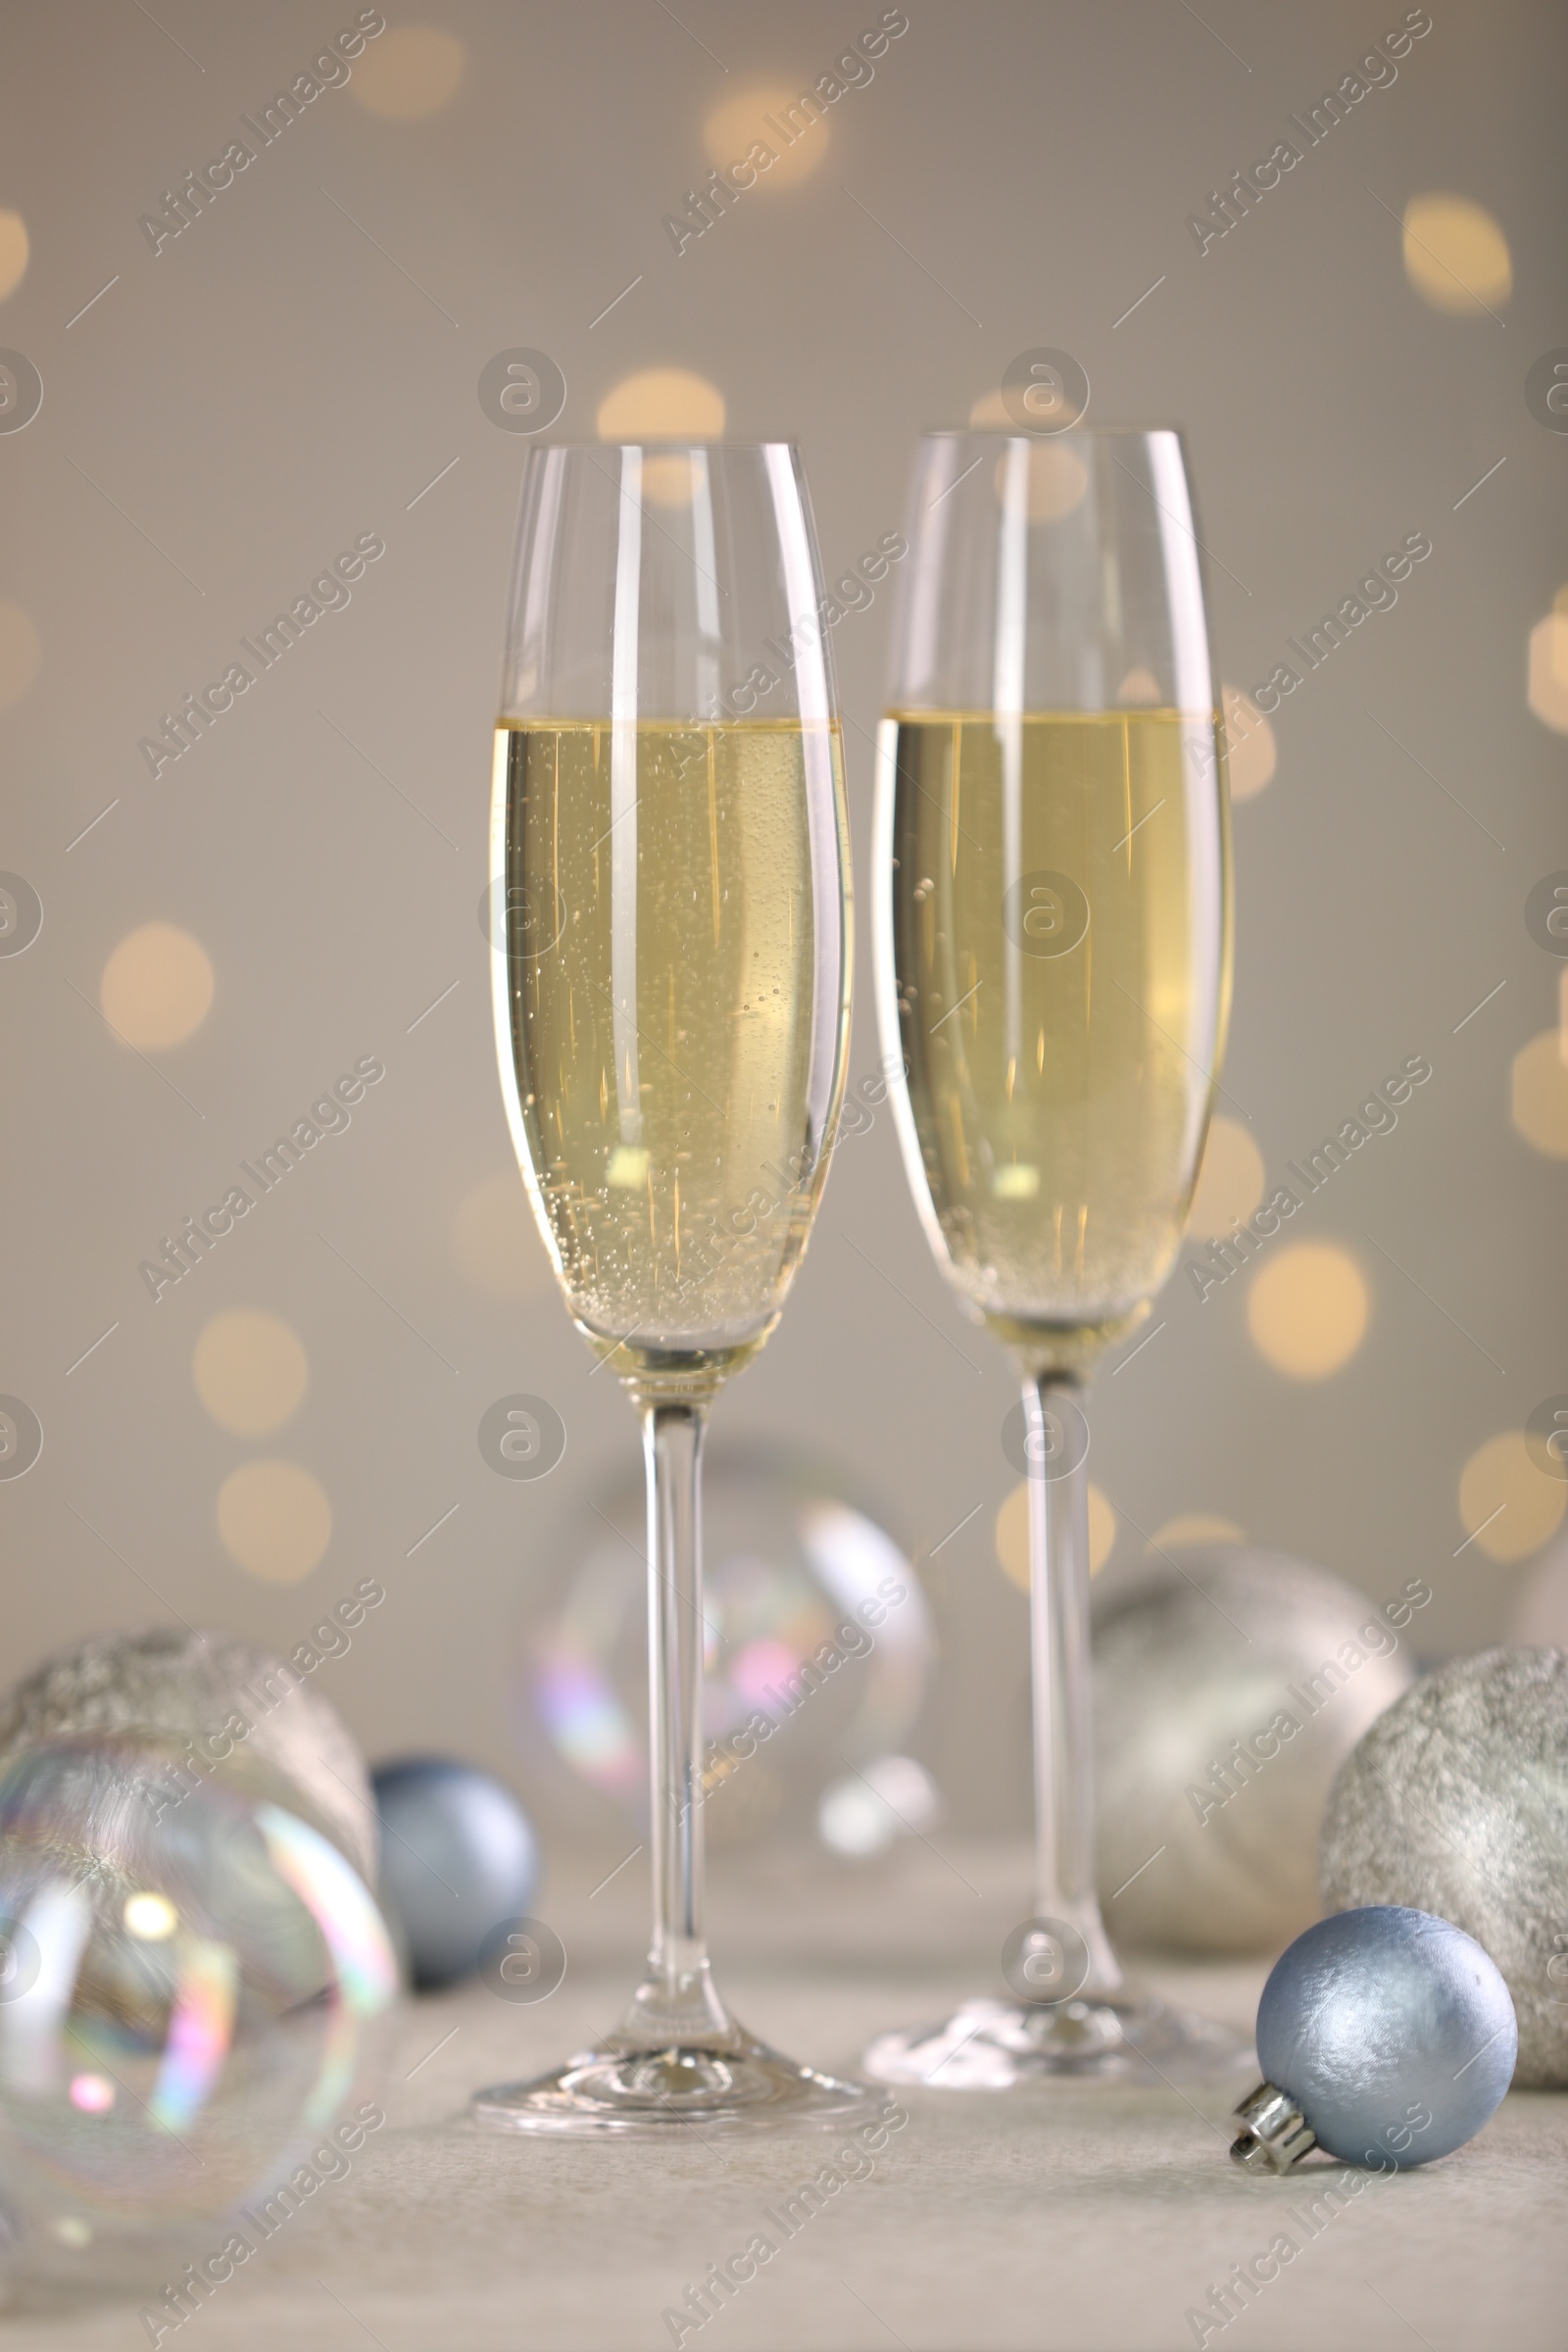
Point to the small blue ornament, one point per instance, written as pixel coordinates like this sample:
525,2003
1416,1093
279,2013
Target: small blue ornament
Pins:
1387,2036
458,1856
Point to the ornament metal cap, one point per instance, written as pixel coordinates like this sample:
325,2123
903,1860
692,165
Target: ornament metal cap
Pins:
1274,2133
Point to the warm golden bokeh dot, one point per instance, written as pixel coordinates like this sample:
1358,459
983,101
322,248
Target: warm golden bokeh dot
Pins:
156,986
1546,689
1012,1534
21,651
1509,1505
1539,1094
731,129
14,251
411,72
1455,255
495,1243
1195,1527
1249,748
1308,1310
662,404
1058,480
1229,1181
250,1371
667,479
992,410
274,1520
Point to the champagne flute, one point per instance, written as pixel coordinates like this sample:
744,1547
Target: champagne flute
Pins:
1052,957
671,880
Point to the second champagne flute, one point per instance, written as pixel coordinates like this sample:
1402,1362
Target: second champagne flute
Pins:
669,854
1053,971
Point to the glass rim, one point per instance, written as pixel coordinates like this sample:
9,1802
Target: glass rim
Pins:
1022,432
671,442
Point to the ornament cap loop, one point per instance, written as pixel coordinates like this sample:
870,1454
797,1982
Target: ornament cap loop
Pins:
1274,2133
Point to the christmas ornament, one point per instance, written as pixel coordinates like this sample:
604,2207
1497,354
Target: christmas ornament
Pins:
818,1655
867,1812
211,1704
1457,1800
457,1857
194,1998
1385,2036
1230,1682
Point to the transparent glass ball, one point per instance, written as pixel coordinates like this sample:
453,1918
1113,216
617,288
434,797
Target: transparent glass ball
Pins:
819,1645
194,1990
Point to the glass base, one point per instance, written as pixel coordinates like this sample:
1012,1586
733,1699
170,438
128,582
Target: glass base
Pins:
1009,2045
723,2085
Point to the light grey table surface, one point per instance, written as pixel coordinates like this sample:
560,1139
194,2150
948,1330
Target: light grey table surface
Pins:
1072,2219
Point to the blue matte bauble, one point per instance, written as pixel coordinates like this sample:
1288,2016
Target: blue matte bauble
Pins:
1375,2020
458,1856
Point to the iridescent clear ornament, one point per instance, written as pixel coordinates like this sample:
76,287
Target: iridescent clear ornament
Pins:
818,1638
195,1988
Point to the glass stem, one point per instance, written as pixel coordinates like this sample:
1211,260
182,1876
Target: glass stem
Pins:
678,1998
1059,1601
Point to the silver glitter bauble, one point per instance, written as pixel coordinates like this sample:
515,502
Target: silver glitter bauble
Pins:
208,1703
1230,1683
1457,1803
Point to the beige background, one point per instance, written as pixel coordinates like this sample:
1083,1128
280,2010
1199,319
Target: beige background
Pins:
282,377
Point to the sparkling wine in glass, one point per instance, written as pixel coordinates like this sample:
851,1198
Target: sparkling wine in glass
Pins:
1053,952
671,881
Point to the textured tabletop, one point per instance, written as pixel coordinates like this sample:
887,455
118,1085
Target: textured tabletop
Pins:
1072,2219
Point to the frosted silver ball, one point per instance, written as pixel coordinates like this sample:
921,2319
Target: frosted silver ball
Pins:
181,1690
1392,2030
1457,1803
1230,1683
459,1859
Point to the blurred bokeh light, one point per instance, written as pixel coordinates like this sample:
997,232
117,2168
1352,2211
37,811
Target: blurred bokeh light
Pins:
495,1241
1546,687
1507,1505
662,404
412,70
1230,1181
20,653
739,123
1012,1534
275,1519
1539,1098
1308,1310
1250,752
991,410
1455,255
251,1371
156,986
1058,480
12,252
1195,1527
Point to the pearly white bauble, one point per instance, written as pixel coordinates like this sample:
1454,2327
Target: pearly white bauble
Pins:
1230,1684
